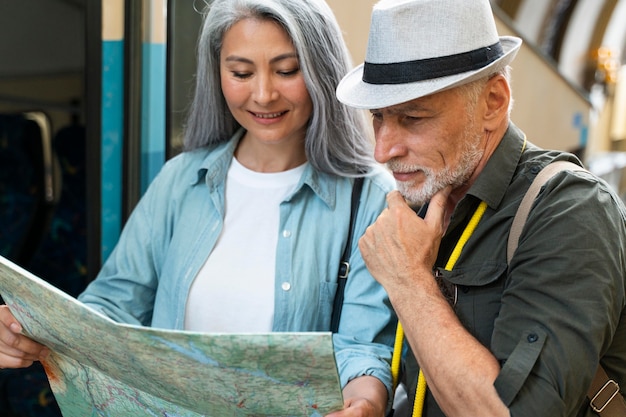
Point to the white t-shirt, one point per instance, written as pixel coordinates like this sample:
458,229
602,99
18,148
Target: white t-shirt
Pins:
234,290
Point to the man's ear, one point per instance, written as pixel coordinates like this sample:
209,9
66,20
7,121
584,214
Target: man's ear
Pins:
497,95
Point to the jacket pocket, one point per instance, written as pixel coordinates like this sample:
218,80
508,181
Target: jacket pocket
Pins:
478,292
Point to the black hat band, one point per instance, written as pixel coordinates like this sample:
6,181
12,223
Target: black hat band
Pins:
427,69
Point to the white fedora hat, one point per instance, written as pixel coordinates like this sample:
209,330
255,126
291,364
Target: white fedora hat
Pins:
420,47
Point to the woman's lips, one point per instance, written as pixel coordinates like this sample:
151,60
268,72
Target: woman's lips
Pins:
268,118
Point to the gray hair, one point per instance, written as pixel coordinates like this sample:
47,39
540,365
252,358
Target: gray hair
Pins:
338,139
474,89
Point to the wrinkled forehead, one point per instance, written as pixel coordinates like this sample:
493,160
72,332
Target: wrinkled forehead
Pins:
428,102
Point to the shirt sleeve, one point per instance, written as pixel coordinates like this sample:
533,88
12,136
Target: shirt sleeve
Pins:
124,289
563,297
364,342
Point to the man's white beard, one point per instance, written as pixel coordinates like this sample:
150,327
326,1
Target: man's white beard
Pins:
418,195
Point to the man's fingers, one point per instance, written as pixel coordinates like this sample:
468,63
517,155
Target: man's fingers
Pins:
437,206
394,198
436,212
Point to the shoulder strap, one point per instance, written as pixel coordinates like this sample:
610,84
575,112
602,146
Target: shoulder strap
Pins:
604,393
524,208
604,396
344,266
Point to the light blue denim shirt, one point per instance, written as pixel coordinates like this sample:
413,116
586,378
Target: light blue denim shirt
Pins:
173,229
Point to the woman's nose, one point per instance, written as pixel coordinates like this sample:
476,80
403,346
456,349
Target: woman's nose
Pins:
265,91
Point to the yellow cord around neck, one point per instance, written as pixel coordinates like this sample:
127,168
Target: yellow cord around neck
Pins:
420,392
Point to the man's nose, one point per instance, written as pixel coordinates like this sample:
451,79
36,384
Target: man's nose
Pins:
389,143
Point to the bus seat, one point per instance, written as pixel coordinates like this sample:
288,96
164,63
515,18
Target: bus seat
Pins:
29,191
28,186
61,258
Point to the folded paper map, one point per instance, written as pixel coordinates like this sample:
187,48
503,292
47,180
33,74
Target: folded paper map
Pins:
102,368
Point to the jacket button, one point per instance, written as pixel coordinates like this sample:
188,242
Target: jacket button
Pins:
532,338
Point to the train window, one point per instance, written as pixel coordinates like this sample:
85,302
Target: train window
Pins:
184,20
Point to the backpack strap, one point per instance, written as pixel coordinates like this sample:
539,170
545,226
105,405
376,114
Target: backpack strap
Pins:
604,393
344,266
524,208
604,396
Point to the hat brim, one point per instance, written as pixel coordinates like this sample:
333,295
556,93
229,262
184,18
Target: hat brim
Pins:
354,92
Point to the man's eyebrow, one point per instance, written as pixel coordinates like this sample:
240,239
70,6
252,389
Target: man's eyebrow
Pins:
400,108
281,57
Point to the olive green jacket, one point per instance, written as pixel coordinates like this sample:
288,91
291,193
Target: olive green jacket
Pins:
559,306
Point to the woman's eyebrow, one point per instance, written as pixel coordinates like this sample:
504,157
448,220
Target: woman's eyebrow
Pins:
236,58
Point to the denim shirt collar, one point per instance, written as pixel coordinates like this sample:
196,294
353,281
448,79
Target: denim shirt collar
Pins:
214,169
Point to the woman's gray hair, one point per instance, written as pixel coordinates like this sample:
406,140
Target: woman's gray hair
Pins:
338,139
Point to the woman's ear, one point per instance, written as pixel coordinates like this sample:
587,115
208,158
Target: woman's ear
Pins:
497,94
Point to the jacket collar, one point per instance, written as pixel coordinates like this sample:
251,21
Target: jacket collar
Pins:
214,169
493,182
